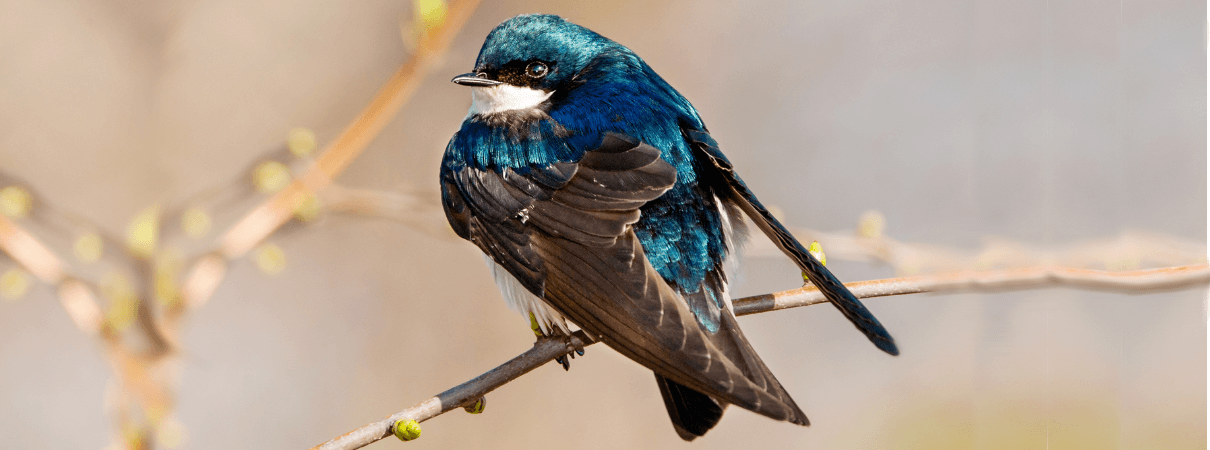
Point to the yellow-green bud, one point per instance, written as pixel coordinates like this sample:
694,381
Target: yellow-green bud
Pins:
477,407
815,250
407,430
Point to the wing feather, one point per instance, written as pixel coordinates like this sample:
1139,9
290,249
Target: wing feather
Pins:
565,232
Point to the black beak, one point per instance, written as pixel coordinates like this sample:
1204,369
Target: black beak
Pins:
472,79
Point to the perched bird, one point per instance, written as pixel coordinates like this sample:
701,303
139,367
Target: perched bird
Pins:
599,198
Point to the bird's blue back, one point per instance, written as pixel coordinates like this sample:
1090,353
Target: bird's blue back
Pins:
616,91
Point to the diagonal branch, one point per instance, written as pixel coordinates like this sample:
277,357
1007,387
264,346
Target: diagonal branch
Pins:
270,215
132,368
543,351
546,350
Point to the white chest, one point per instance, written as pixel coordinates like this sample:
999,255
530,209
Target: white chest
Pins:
486,101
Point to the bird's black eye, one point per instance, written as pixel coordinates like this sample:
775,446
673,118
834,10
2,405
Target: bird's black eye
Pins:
536,69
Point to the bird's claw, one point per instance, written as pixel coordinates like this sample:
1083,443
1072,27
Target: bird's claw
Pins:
572,350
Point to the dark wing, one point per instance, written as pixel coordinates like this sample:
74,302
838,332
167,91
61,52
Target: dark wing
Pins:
565,233
707,150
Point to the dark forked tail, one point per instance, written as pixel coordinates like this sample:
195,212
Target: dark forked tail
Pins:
832,288
693,413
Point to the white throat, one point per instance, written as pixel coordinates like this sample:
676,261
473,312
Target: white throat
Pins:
486,101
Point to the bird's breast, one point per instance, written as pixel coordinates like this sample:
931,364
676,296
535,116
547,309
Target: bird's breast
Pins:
491,100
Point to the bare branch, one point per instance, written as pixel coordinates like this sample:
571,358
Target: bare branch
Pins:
1135,281
143,373
418,210
30,253
543,351
1128,250
274,212
270,215
546,350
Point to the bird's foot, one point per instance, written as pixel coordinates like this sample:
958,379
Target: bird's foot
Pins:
572,349
533,325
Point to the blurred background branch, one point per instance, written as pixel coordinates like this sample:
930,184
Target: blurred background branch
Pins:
159,296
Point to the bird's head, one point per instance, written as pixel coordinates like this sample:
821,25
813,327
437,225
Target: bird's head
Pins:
528,58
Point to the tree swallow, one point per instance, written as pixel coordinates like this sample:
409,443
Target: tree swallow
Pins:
600,199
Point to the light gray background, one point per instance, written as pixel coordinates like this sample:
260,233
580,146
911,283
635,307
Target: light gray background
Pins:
1040,121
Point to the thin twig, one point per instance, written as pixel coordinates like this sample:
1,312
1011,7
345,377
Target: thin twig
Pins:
30,253
133,369
1129,250
543,351
141,372
419,211
1135,282
270,215
273,213
546,350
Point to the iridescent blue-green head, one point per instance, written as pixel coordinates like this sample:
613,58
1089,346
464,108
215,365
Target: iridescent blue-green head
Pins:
537,51
548,89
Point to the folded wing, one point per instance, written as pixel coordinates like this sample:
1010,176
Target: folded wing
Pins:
564,231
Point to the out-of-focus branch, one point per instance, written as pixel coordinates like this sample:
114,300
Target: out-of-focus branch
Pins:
1129,250
271,214
268,216
546,350
134,370
417,210
373,203
29,252
81,306
35,257
142,365
1136,282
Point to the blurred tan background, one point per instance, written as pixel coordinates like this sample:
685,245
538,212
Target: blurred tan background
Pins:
1044,122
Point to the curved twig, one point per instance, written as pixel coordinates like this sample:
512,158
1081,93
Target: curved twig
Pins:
546,350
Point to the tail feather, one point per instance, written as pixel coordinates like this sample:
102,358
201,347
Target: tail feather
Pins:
832,288
693,413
